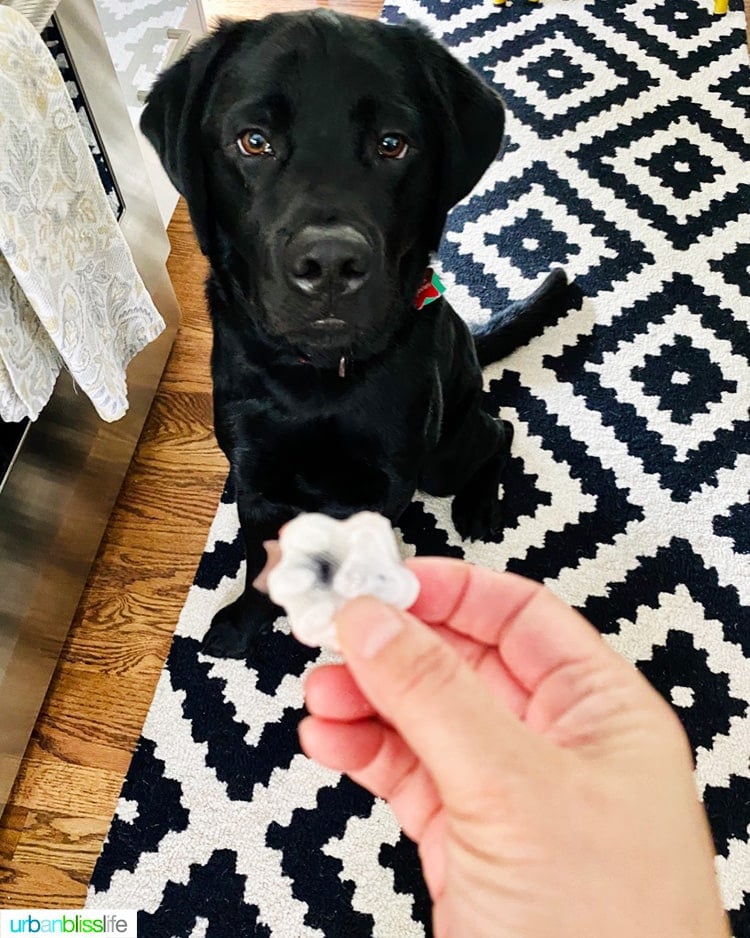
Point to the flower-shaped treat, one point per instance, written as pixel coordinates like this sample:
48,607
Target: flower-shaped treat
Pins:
325,562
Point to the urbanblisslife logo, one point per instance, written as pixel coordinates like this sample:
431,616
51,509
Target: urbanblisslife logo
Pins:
109,923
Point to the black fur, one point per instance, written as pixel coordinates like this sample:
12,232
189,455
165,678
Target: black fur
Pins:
324,90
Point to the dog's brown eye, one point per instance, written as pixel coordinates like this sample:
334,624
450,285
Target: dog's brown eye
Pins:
254,143
393,146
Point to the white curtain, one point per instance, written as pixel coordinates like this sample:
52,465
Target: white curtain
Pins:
37,12
70,294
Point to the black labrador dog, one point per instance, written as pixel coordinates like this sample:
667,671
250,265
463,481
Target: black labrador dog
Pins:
319,155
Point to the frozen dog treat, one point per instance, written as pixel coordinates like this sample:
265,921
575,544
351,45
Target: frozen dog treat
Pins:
325,562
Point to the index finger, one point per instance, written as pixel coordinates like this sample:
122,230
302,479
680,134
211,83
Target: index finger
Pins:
471,600
273,558
533,630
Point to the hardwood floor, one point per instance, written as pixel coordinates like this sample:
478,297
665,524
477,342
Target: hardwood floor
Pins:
61,806
62,803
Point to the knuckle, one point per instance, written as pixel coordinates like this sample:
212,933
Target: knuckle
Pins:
434,669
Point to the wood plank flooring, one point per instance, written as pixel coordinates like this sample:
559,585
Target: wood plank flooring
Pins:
64,797
62,803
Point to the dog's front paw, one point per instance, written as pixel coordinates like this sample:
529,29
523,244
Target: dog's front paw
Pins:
235,629
476,518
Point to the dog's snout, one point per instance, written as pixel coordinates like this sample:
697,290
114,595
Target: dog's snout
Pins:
328,260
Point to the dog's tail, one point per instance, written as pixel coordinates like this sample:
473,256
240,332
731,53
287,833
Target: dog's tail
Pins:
513,326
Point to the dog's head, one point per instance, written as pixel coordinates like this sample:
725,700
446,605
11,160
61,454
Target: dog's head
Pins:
319,155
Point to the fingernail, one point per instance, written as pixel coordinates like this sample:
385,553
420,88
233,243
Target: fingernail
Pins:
366,626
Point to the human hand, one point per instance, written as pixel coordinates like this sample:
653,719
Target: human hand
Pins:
548,786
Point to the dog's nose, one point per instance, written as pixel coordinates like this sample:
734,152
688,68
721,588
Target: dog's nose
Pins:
332,259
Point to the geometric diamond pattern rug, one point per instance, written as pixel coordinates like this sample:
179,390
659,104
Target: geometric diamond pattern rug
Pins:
626,163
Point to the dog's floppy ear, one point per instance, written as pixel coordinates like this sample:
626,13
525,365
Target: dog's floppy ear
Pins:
171,121
470,115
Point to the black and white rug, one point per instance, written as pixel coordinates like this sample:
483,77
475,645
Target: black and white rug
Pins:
627,164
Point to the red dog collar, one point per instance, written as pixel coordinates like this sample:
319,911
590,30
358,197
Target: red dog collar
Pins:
431,289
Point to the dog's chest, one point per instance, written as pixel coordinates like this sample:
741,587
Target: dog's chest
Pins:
358,446
318,463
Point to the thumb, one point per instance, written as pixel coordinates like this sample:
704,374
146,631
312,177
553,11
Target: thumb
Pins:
465,736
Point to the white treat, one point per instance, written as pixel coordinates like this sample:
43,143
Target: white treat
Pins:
325,562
